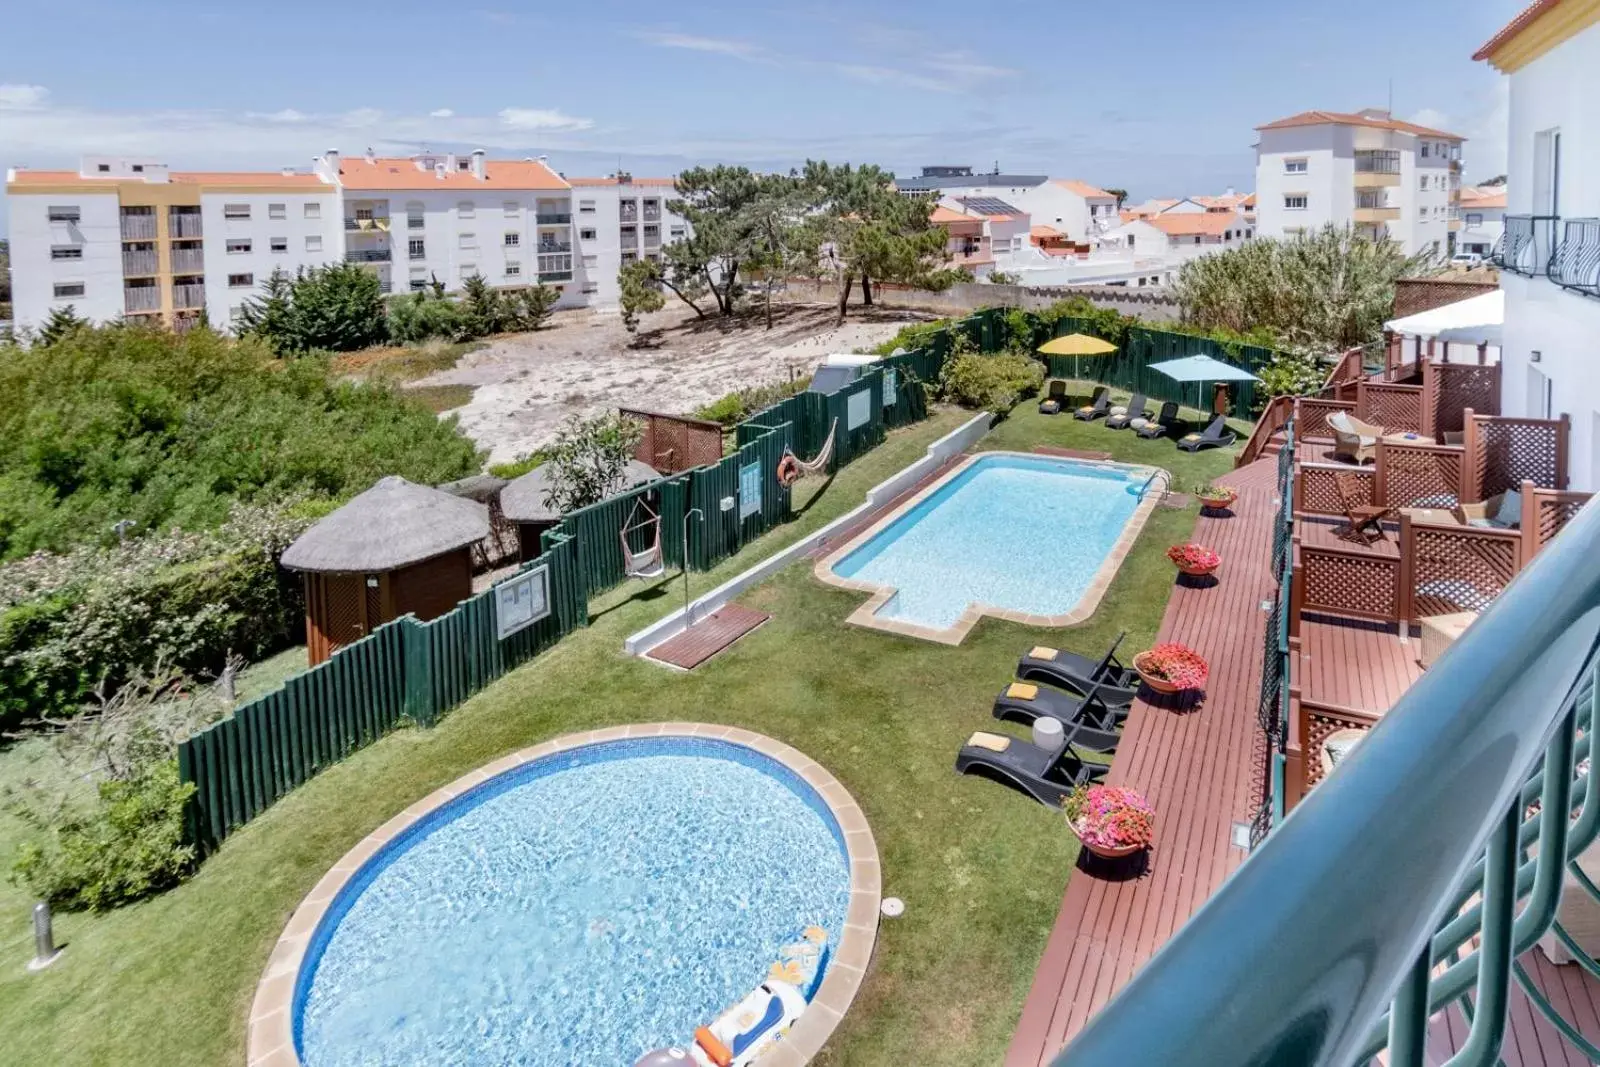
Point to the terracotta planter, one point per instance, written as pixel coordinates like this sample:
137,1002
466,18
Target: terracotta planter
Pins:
1102,851
1154,681
1198,572
1217,503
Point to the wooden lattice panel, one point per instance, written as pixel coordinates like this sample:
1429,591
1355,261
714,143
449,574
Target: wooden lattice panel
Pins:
1459,568
1397,408
1552,511
1349,583
1421,476
1319,490
1511,451
1463,386
671,444
1317,725
1311,416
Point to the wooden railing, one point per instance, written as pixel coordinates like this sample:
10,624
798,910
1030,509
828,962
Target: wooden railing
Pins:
1278,412
1343,581
1544,513
1420,475
1310,727
1503,452
1311,415
1397,408
1316,488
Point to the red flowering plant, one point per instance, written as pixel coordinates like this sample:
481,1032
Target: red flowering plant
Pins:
1193,557
1176,664
1111,817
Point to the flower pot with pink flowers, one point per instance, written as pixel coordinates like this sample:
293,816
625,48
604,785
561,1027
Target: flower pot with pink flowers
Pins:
1111,821
1194,560
1172,668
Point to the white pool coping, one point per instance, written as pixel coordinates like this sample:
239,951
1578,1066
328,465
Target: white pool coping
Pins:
865,615
270,1042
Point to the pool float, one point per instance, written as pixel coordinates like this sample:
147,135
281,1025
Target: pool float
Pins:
739,1036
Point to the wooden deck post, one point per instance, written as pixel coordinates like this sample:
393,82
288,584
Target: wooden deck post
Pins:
1405,591
1380,474
1429,416
1470,489
1563,439
1297,586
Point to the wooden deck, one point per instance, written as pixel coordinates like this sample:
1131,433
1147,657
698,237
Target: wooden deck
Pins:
1319,532
1353,664
1200,769
707,637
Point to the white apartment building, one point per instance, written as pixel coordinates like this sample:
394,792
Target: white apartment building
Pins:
1483,215
1550,255
130,237
1071,207
1364,169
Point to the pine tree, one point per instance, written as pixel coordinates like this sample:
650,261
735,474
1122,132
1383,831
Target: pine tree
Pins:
640,282
61,323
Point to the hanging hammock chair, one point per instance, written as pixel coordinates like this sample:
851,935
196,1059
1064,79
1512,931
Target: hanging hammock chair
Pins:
792,468
642,563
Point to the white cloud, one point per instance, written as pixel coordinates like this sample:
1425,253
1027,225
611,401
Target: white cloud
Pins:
442,113
288,114
539,118
1483,123
876,75
22,97
966,69
726,46
361,117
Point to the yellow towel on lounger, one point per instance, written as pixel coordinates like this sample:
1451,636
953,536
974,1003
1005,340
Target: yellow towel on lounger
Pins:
1043,652
1022,691
1119,409
992,742
1191,437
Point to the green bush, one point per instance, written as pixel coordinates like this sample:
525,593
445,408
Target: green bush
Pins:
991,383
1289,374
737,406
338,308
125,846
417,317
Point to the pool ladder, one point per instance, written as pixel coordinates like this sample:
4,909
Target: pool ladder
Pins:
1157,473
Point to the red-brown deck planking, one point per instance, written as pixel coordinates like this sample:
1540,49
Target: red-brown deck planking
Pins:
1197,769
1361,665
709,636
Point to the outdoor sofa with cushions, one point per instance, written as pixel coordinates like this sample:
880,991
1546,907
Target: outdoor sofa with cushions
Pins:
1502,512
1353,439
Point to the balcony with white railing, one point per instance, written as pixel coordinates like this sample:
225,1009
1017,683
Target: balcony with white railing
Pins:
652,212
628,211
554,267
554,218
629,238
366,255
552,247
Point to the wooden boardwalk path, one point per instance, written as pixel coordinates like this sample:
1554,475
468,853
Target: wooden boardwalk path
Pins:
709,636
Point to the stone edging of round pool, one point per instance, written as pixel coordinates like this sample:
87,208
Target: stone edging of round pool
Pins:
271,1043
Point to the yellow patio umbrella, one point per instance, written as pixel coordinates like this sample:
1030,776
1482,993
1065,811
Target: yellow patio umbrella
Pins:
1075,345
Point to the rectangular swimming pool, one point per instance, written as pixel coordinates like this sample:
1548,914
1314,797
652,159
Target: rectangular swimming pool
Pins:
1029,538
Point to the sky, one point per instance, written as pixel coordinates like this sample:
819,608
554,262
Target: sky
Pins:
1160,98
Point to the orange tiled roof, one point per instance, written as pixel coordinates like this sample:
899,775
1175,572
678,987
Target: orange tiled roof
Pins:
1493,197
226,177
379,174
582,182
1525,18
1084,189
942,214
1044,231
1342,118
1193,224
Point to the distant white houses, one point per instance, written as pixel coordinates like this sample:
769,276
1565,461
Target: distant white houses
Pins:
1483,215
1071,207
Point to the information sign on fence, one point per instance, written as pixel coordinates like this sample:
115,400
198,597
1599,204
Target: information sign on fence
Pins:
888,387
858,409
522,601
749,489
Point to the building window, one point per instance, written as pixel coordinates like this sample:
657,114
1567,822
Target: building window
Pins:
513,239
414,215
513,268
278,244
63,290
1424,149
677,232
1227,235
586,207
1294,201
466,209
66,251
416,248
629,257
463,163
1294,166
238,245
511,207
590,262
419,280
1422,183
103,168
241,281
590,287
313,243
585,235
277,211
237,212
1196,238
1474,220
469,240
468,269
59,213
1249,234
313,211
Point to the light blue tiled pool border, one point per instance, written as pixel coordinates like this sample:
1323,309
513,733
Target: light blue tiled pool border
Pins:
867,614
272,1036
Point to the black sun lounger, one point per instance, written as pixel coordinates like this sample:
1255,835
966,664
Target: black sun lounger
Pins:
1045,775
1068,670
1215,435
1097,407
1024,702
1136,410
1162,423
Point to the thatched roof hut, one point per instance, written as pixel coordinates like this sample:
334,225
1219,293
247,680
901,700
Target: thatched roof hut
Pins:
397,548
523,500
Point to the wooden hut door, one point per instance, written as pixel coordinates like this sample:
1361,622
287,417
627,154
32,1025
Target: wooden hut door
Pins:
346,609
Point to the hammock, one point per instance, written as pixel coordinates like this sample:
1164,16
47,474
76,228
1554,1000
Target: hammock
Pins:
647,562
819,465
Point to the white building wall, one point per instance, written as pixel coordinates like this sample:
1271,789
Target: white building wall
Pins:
1559,91
34,275
1325,172
1481,228
308,242
598,227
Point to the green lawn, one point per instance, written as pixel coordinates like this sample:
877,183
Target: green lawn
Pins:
169,982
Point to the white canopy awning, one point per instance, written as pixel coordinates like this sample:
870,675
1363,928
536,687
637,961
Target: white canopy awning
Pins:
1476,320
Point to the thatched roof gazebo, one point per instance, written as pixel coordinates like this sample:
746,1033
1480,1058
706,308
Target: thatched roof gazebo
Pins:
394,549
523,501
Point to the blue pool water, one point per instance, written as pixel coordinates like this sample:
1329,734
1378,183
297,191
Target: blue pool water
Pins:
584,908
1021,533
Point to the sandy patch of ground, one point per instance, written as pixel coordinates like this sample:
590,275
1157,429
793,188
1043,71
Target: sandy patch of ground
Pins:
525,385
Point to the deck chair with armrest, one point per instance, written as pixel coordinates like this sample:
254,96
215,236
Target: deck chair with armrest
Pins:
1024,702
1363,522
1098,407
1136,409
1116,684
1044,774
1215,435
1503,511
1353,439
1162,424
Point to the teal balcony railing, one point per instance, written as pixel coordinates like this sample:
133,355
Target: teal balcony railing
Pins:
1413,877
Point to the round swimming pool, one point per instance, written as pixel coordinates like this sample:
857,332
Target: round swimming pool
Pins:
584,907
